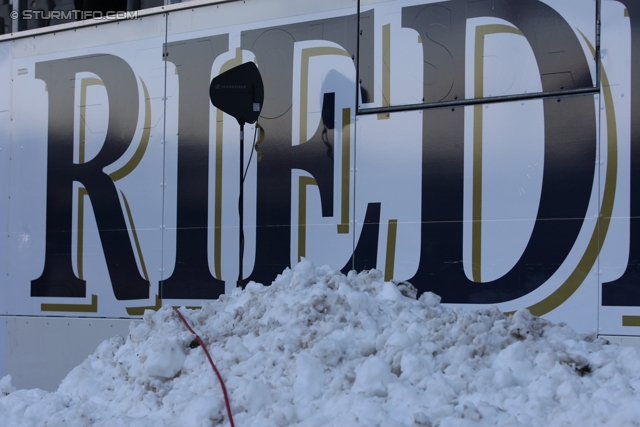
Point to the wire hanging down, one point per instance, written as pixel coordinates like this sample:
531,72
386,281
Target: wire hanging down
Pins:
204,347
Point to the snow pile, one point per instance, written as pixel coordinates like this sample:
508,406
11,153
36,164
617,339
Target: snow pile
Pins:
318,348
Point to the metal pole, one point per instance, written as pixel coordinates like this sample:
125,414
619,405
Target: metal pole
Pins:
241,206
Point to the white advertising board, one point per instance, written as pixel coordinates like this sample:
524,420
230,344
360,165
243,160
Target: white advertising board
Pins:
471,148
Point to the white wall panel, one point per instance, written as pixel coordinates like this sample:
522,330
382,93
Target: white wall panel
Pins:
137,173
5,168
41,351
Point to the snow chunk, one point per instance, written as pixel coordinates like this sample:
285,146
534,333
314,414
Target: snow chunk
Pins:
164,357
5,385
372,377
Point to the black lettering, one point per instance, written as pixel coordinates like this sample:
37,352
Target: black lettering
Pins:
570,139
191,277
58,278
274,50
365,254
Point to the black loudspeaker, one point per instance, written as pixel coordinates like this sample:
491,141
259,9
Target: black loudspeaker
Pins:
239,92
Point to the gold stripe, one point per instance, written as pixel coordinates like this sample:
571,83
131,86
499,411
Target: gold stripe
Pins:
476,216
80,246
599,234
478,92
343,227
476,199
73,308
391,249
306,54
84,83
386,70
233,62
630,320
626,12
217,228
261,135
302,214
481,32
144,141
139,311
135,236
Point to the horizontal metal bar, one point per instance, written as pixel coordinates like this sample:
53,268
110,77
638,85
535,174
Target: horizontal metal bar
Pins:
476,101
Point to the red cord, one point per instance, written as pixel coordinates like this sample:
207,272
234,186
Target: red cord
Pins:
204,347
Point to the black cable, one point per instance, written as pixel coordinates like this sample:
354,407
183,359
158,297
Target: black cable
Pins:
240,205
253,148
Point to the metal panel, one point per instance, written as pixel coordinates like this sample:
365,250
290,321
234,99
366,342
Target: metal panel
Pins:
389,173
430,52
619,299
308,68
88,170
510,198
5,169
41,351
3,348
623,340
